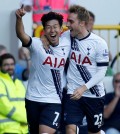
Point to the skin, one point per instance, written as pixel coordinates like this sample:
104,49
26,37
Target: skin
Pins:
52,31
109,109
8,66
77,29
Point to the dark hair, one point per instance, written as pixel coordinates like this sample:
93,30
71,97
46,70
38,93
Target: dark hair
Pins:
52,16
83,14
92,15
6,56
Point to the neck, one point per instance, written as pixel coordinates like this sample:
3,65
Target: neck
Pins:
82,34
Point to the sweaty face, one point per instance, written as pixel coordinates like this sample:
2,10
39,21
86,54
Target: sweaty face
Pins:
52,31
8,66
73,24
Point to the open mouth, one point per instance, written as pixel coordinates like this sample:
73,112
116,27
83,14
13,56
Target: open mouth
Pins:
53,37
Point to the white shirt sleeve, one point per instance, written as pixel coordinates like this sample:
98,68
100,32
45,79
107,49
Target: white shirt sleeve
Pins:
97,77
102,61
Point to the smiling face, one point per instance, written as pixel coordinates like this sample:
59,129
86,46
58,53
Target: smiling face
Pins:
52,31
8,66
78,17
73,24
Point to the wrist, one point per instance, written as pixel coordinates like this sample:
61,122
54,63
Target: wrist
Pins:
84,87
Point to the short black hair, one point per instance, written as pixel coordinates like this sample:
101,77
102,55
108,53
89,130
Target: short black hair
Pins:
52,16
6,56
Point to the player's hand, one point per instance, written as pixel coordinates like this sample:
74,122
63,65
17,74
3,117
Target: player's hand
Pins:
26,54
45,42
28,8
78,92
20,12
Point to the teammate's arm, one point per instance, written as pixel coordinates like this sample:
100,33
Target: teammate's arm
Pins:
25,39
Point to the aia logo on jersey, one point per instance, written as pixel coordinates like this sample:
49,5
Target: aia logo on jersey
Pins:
54,62
78,59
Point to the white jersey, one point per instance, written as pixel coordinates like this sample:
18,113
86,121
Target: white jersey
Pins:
87,56
46,74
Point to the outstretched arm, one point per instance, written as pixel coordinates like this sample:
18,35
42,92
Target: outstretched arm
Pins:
20,27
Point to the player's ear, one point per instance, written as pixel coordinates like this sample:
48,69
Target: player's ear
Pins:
82,23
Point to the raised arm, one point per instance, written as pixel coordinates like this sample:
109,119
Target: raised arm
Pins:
20,27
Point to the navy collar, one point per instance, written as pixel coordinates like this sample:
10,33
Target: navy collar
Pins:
84,37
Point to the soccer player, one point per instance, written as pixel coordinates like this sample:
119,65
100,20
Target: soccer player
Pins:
87,68
43,97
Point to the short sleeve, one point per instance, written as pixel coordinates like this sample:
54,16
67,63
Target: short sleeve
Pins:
102,55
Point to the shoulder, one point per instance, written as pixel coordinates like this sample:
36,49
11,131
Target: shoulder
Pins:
98,39
36,40
36,43
66,34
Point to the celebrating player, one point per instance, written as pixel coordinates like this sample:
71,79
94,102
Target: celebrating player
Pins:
87,68
43,97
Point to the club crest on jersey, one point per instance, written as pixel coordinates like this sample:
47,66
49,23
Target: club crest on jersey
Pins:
88,49
63,51
79,60
54,62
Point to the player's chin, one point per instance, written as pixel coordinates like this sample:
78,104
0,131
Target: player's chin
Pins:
54,42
